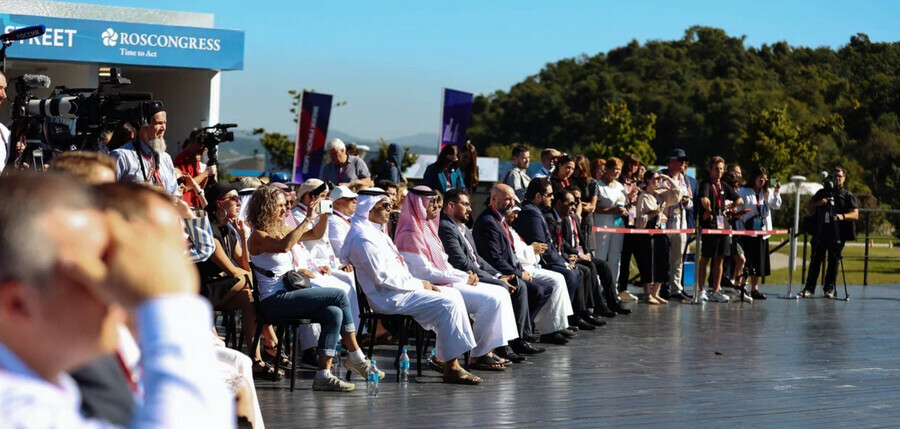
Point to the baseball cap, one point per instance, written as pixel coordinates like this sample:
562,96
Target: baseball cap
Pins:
342,192
311,185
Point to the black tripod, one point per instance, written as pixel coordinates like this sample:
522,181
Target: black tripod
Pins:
834,245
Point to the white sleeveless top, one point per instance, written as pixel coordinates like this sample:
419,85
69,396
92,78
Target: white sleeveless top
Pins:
277,263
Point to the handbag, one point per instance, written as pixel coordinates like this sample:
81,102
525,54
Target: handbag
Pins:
292,279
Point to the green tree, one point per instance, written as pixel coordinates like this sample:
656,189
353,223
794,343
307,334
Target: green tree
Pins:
773,140
622,133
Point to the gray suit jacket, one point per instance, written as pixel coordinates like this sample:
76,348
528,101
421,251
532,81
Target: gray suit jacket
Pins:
455,246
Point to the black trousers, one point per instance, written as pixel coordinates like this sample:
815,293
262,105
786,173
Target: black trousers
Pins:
604,293
823,248
629,247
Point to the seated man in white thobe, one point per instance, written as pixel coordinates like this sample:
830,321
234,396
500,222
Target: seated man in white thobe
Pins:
391,289
545,321
489,305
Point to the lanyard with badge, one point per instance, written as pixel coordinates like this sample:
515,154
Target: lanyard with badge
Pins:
720,218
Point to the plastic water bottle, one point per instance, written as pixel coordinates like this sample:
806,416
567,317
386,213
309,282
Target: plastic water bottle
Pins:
336,363
372,381
404,368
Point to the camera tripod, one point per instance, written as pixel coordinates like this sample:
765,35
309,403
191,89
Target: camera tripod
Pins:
834,246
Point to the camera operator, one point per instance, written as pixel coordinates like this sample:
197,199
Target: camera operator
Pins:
4,132
832,223
188,161
145,159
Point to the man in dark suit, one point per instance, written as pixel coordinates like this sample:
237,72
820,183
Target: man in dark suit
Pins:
463,255
566,236
532,227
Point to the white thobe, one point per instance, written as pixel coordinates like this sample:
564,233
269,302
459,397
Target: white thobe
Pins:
391,289
488,305
553,316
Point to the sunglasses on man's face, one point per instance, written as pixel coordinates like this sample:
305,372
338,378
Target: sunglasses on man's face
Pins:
385,206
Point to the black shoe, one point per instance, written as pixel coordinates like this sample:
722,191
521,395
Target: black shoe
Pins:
592,320
554,338
581,324
523,347
757,295
680,296
532,338
567,333
506,353
572,328
622,310
604,312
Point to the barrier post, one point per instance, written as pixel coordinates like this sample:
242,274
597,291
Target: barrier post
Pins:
866,262
791,264
697,274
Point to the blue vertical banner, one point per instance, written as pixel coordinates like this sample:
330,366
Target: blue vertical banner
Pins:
313,127
457,109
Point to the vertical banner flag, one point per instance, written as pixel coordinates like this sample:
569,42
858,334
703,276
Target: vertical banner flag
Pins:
313,126
457,107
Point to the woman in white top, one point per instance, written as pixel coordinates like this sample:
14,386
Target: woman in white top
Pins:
760,200
653,250
610,212
270,247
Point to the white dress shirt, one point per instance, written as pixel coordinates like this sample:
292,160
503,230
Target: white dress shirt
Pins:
182,384
338,227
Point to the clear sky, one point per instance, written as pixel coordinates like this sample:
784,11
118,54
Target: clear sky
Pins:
390,59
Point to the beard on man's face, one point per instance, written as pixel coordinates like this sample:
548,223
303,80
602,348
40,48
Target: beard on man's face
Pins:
158,145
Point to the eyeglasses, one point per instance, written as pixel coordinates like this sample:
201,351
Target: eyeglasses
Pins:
385,206
435,202
464,204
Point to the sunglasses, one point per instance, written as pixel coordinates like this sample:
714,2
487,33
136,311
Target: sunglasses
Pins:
235,198
385,206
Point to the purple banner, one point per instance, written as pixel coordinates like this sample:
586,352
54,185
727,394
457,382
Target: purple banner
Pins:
313,126
457,108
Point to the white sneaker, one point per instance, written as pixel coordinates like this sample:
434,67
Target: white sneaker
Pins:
719,297
701,297
747,298
330,383
625,296
362,368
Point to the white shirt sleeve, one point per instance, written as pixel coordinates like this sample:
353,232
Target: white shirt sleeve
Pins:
422,268
336,234
381,267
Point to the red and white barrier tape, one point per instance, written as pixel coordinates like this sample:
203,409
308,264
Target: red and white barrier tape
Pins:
688,231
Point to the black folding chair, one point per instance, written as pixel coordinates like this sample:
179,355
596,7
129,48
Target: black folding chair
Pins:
367,315
281,328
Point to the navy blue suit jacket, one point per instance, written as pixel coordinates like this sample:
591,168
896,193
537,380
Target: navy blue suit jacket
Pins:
532,227
493,245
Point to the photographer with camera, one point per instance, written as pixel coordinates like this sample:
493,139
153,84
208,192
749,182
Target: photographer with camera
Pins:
145,159
831,223
4,132
188,161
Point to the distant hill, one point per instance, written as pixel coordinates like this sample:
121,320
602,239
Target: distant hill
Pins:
246,145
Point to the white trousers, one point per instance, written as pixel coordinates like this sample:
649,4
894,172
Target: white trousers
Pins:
676,256
489,306
554,315
609,249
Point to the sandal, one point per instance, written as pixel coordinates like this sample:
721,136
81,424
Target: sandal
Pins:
499,359
436,365
270,358
463,377
266,371
487,363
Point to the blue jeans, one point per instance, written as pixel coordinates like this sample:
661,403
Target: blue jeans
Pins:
328,307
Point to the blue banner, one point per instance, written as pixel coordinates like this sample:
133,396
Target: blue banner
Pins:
309,148
457,109
110,42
